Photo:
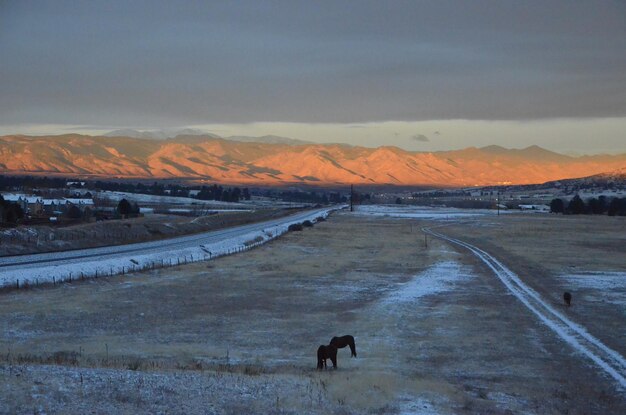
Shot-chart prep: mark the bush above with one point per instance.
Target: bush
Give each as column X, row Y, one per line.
column 307, row 224
column 295, row 227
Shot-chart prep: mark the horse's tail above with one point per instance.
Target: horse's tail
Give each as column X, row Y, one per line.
column 352, row 348
column 321, row 356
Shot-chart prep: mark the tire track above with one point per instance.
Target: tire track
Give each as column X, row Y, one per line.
column 610, row 361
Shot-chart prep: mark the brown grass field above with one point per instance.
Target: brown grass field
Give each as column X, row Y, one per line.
column 435, row 331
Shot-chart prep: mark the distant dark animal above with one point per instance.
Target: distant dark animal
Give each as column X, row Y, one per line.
column 568, row 298
column 343, row 341
column 326, row 352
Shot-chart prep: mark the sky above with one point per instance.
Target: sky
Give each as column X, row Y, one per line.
column 421, row 75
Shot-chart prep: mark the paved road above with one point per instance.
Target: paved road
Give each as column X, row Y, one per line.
column 8, row 263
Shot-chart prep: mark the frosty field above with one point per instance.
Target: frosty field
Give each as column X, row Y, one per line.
column 436, row 331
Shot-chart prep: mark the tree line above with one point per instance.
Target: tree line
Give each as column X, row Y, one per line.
column 593, row 206
column 10, row 212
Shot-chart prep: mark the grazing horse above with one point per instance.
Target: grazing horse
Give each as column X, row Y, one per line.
column 326, row 352
column 343, row 341
column 568, row 298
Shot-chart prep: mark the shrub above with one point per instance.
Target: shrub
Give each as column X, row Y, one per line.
column 307, row 224
column 295, row 227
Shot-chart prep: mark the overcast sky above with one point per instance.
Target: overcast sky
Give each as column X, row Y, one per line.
column 352, row 71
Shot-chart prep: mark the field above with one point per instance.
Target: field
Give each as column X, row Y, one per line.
column 436, row 331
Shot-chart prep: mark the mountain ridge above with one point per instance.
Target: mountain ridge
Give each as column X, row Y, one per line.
column 202, row 157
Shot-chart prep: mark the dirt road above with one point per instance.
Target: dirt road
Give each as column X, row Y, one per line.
column 436, row 332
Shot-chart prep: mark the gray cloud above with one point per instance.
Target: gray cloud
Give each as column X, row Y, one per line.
column 158, row 64
column 420, row 137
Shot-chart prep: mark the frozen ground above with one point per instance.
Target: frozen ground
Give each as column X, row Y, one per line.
column 436, row 330
column 598, row 286
column 163, row 200
column 421, row 212
column 437, row 279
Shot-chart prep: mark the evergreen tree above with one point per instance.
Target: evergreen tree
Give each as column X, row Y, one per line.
column 576, row 206
column 124, row 207
column 557, row 206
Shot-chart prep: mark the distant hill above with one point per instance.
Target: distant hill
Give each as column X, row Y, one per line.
column 615, row 177
column 156, row 134
column 269, row 139
column 276, row 160
column 187, row 132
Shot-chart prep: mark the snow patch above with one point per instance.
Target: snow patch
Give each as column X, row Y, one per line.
column 439, row 278
column 600, row 286
column 420, row 212
column 158, row 199
column 418, row 406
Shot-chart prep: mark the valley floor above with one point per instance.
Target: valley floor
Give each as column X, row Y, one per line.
column 436, row 331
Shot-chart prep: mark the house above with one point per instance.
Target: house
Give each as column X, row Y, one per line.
column 30, row 204
column 81, row 203
column 537, row 208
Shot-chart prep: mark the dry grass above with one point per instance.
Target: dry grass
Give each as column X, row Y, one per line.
column 262, row 314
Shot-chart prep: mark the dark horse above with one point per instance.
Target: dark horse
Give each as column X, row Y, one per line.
column 326, row 352
column 343, row 341
column 568, row 298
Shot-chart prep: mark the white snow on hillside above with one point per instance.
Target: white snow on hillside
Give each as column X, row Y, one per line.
column 156, row 199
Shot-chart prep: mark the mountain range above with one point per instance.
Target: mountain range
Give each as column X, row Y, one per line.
column 166, row 134
column 259, row 161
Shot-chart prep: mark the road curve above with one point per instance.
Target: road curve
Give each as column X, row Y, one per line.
column 607, row 359
column 9, row 263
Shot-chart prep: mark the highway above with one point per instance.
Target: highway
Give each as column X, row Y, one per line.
column 11, row 264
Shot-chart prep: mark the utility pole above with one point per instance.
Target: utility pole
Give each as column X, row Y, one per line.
column 351, row 198
column 498, row 201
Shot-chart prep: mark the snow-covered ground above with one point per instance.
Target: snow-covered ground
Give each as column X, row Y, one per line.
column 577, row 336
column 87, row 263
column 166, row 200
column 607, row 193
column 421, row 212
column 599, row 286
column 439, row 278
